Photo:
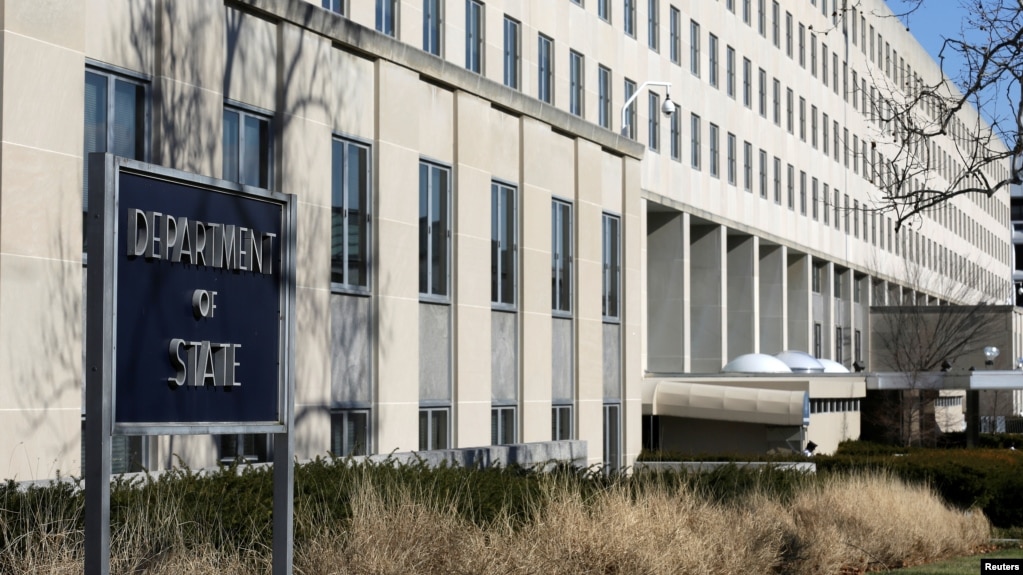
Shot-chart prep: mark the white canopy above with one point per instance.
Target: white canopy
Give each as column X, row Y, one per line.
column 728, row 403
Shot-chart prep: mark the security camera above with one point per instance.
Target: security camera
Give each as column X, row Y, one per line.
column 668, row 107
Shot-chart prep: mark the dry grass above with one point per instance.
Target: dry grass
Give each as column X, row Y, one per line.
column 839, row 525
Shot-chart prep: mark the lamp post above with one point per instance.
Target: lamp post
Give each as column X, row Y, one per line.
column 667, row 108
column 991, row 353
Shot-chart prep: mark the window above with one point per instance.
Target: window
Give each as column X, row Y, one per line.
column 762, row 92
column 512, row 51
column 116, row 120
column 814, row 198
column 629, row 17
column 731, row 158
column 387, row 17
column 654, row 121
column 763, row 174
column 350, row 218
column 244, row 447
column 788, row 34
column 349, row 432
column 246, row 147
column 762, row 17
column 729, row 72
column 776, row 92
column 777, row 180
column 433, row 428
column 502, row 425
column 836, row 208
column 434, row 229
column 815, row 279
column 789, row 105
column 432, row 26
column 694, row 47
column 694, row 141
column 612, row 437
column 610, row 297
column 802, row 118
column 675, row 35
column 747, row 166
column 474, row 36
column 544, row 63
column 747, row 83
column 575, row 82
column 816, row 339
column 824, row 64
column 503, row 244
column 813, row 126
column 712, row 59
column 604, row 97
column 813, row 54
column 337, row 6
column 775, row 24
column 604, row 10
column 802, row 45
column 714, row 155
column 824, row 206
column 561, row 256
column 653, row 25
column 838, row 344
column 802, row 192
column 791, row 186
column 676, row 135
column 824, row 134
column 746, row 10
column 561, row 422
column 630, row 112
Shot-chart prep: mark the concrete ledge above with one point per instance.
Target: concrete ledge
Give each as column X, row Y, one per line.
column 544, row 454
column 705, row 466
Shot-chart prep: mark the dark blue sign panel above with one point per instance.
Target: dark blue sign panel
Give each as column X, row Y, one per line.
column 199, row 304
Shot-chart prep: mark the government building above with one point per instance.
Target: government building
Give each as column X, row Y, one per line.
column 619, row 223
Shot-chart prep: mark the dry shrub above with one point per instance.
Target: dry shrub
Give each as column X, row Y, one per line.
column 874, row 520
column 660, row 530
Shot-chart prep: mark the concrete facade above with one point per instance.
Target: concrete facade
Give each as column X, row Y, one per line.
column 719, row 251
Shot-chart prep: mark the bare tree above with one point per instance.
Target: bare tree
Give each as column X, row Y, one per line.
column 917, row 336
column 926, row 145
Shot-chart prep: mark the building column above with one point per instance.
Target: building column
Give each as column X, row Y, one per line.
column 743, row 267
column 668, row 292
column 772, row 300
column 709, row 283
column 799, row 317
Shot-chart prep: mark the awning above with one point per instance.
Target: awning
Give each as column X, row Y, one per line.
column 727, row 403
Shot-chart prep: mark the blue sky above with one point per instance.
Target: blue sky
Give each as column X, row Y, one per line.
column 936, row 20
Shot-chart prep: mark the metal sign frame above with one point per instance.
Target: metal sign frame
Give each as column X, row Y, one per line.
column 106, row 242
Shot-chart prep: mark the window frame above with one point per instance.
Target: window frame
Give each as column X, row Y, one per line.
column 433, row 27
column 559, row 413
column 562, row 258
column 499, row 192
column 498, row 433
column 512, row 53
column 429, row 443
column 339, row 418
column 545, row 68
column 475, row 28
column 611, row 267
column 576, row 78
column 427, row 256
column 245, row 111
column 387, row 13
column 345, row 286
column 604, row 94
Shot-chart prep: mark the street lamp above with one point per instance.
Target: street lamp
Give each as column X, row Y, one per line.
column 990, row 354
column 667, row 108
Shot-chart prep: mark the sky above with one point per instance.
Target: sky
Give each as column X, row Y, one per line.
column 934, row 21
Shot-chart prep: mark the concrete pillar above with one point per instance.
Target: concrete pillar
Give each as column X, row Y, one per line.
column 667, row 291
column 709, row 284
column 772, row 300
column 743, row 302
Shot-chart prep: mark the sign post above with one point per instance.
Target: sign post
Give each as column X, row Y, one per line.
column 189, row 323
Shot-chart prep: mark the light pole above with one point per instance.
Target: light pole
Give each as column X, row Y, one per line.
column 667, row 108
